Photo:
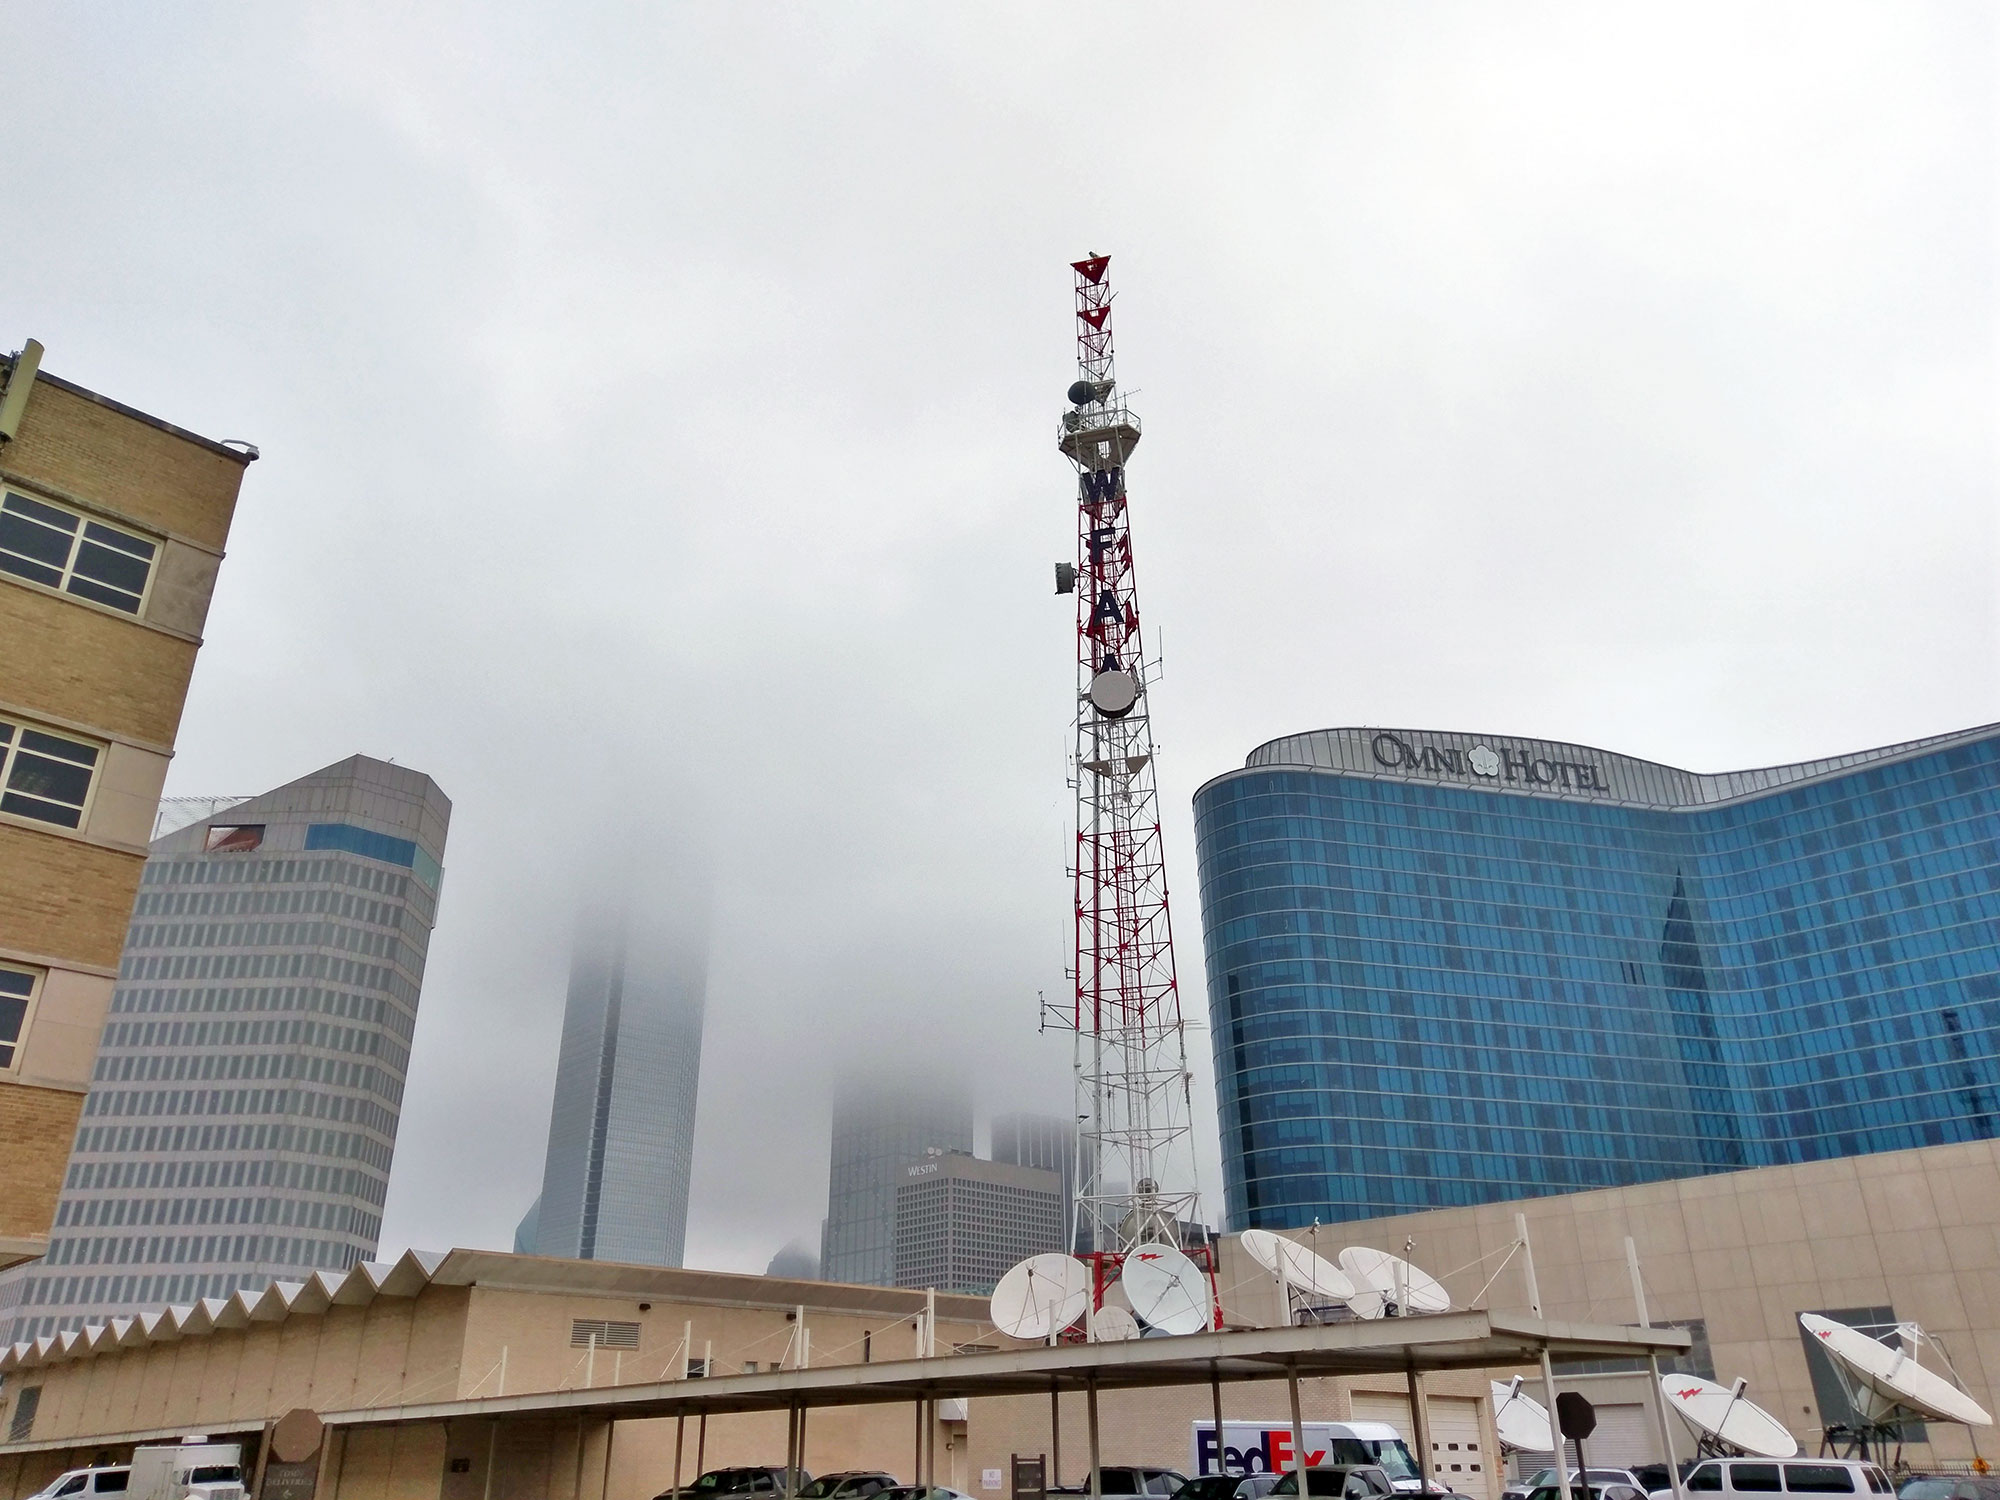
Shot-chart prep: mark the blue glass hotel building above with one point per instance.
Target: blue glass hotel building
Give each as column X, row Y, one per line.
column 1448, row 969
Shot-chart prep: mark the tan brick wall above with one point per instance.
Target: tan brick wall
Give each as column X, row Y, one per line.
column 71, row 662
column 36, row 1127
column 73, row 444
column 64, row 898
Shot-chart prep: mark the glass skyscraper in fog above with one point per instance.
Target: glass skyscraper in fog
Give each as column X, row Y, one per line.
column 1450, row 969
column 621, row 1130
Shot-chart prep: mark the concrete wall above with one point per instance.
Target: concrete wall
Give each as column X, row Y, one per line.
column 1749, row 1251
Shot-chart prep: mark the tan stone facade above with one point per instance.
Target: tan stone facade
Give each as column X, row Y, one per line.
column 112, row 679
column 1747, row 1252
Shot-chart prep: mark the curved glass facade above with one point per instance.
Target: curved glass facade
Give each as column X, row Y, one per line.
column 1446, row 970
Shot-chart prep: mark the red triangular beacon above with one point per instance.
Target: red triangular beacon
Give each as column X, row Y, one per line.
column 1094, row 316
column 1091, row 270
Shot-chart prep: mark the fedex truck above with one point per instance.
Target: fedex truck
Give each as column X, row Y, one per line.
column 1266, row 1448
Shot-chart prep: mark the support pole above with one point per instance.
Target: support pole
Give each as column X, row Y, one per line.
column 1298, row 1428
column 1548, row 1370
column 1215, row 1398
column 1653, row 1365
column 492, row 1447
column 1420, row 1426
column 1055, row 1435
column 701, row 1445
column 798, row 1467
column 610, row 1436
column 791, row 1450
column 917, row 1463
column 680, row 1436
column 1096, row 1478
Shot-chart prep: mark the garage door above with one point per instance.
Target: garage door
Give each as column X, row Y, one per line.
column 1625, row 1436
column 1458, row 1451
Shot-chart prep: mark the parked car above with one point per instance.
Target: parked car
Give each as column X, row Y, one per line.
column 1761, row 1477
column 922, row 1492
column 1588, row 1490
column 1227, row 1487
column 109, row 1480
column 1950, row 1487
column 717, row 1483
column 1546, row 1478
column 851, row 1484
column 1338, row 1482
column 1127, row 1479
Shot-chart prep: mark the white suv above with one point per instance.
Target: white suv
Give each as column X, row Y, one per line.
column 83, row 1483
column 1757, row 1478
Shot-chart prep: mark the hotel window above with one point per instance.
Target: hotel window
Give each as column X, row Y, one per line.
column 63, row 550
column 45, row 776
column 17, row 994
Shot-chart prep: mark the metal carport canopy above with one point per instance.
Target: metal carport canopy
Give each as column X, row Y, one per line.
column 1469, row 1340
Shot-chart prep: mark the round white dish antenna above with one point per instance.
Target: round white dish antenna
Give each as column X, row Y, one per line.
column 1167, row 1289
column 1041, row 1296
column 1891, row 1382
column 1521, row 1421
column 1727, row 1416
column 1113, row 1325
column 1113, row 693
column 1389, row 1285
column 1296, row 1266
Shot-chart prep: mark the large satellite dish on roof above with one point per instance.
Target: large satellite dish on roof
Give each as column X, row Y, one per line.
column 1888, row 1385
column 1389, row 1286
column 1167, row 1289
column 1521, row 1421
column 1041, row 1297
column 1725, row 1423
column 1297, row 1269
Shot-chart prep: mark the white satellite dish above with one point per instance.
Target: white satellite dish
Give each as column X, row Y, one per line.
column 1390, row 1285
column 1296, row 1266
column 1041, row 1296
column 1167, row 1289
column 1722, row 1415
column 1521, row 1421
column 1113, row 1325
column 1891, row 1383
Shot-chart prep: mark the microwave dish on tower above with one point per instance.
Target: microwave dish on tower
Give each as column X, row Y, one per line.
column 1726, row 1424
column 1135, row 1171
column 1040, row 1297
column 1888, row 1385
column 1167, row 1289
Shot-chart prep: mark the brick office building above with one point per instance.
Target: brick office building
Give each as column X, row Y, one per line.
column 112, row 525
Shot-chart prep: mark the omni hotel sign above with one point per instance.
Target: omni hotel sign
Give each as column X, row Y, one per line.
column 1521, row 767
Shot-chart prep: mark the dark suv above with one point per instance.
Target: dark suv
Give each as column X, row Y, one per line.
column 717, row 1483
column 853, row 1484
column 1127, row 1479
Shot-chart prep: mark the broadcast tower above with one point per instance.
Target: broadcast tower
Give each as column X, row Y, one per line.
column 1135, row 1179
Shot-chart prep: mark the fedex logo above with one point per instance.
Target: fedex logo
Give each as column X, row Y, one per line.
column 1265, row 1450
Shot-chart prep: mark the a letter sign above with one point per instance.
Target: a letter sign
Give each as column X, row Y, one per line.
column 1484, row 763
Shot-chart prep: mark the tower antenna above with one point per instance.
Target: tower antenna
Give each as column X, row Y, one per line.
column 1135, row 1181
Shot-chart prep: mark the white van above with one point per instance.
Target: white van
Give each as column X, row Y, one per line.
column 81, row 1484
column 1758, row 1478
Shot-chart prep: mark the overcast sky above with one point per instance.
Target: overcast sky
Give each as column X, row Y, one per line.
column 658, row 404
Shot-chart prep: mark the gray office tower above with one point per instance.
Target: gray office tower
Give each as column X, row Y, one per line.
column 250, row 1077
column 621, row 1131
column 1046, row 1142
column 879, row 1128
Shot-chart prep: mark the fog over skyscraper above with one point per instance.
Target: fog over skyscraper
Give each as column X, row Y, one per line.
column 621, row 1131
column 880, row 1126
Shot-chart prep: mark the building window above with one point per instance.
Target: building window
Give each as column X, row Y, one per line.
column 49, row 545
column 17, row 993
column 45, row 776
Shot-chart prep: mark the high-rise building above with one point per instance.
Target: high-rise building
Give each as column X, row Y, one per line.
column 879, row 1128
column 961, row 1222
column 621, row 1130
column 112, row 525
column 1047, row 1142
column 1449, row 969
column 243, row 1115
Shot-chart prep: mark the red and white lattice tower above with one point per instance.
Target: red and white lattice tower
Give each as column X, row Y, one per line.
column 1136, row 1172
